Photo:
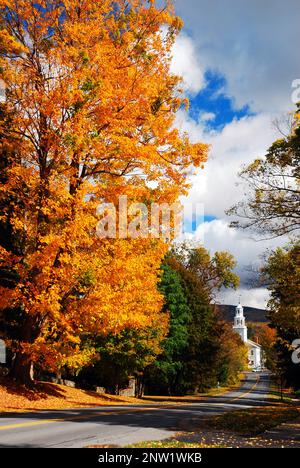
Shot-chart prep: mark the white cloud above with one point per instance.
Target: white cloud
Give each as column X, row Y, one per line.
column 186, row 63
column 254, row 46
column 207, row 116
column 239, row 143
column 255, row 297
column 218, row 236
column 253, row 43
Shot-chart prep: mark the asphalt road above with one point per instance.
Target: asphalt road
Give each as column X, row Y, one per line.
column 122, row 425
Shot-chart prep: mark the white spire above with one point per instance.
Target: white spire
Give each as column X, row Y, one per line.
column 240, row 323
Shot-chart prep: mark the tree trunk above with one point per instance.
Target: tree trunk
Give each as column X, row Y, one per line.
column 22, row 369
column 22, row 365
column 58, row 377
column 139, row 386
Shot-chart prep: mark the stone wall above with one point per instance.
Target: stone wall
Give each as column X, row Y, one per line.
column 130, row 390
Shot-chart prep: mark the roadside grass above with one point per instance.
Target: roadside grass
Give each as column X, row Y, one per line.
column 216, row 391
column 220, row 390
column 286, row 395
column 276, row 395
column 254, row 421
column 171, row 443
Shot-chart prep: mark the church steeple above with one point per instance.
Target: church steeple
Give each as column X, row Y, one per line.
column 240, row 323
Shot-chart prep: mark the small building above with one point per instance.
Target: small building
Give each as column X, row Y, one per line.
column 254, row 349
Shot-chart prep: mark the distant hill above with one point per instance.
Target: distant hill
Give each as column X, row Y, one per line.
column 252, row 315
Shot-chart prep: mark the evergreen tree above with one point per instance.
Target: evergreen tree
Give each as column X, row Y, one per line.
column 165, row 374
column 199, row 350
column 200, row 355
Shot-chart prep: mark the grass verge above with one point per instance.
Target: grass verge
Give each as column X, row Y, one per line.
column 170, row 443
column 196, row 397
column 254, row 421
column 286, row 395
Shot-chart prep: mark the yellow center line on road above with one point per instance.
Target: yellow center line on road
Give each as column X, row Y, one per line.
column 81, row 417
column 28, row 424
column 247, row 393
column 106, row 413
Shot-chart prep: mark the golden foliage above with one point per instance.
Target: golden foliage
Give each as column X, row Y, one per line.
column 93, row 105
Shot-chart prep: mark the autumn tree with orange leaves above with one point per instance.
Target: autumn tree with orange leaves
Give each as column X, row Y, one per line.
column 89, row 116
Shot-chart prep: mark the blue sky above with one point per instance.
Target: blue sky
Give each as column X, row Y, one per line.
column 213, row 99
column 238, row 64
column 216, row 109
column 191, row 225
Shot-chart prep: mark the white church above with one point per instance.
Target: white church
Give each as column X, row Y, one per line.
column 254, row 349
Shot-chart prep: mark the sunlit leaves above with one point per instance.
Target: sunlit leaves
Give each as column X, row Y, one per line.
column 93, row 106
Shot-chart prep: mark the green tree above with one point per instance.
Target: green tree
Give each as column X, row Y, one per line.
column 201, row 275
column 165, row 373
column 200, row 357
column 282, row 274
column 123, row 356
column 214, row 272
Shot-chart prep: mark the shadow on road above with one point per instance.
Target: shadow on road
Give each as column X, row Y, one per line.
column 51, row 427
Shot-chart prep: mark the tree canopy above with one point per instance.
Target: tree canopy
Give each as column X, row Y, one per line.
column 282, row 274
column 200, row 349
column 91, row 104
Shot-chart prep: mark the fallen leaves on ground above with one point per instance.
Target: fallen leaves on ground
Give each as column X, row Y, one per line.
column 171, row 443
column 102, row 446
column 254, row 421
column 227, row 439
column 285, row 435
column 45, row 396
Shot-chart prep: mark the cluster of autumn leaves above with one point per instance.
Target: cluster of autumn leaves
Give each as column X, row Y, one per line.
column 89, row 116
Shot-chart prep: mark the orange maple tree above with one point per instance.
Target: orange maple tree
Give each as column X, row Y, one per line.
column 91, row 104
